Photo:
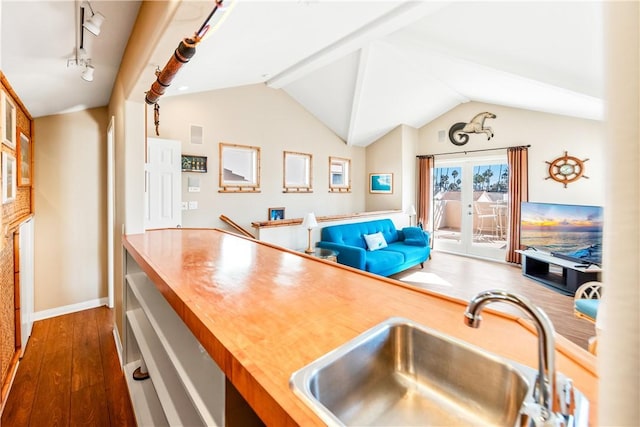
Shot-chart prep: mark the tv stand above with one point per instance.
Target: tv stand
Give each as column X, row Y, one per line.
column 562, row 275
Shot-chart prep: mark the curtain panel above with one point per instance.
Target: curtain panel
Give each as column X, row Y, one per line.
column 425, row 190
column 518, row 162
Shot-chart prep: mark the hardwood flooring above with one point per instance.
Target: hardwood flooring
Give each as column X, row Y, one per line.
column 464, row 277
column 70, row 375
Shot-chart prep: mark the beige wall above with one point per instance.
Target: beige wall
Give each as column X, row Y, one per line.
column 259, row 116
column 385, row 156
column 127, row 109
column 549, row 136
column 70, row 233
column 394, row 153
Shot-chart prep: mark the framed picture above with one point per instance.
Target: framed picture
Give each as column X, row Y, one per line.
column 8, row 121
column 296, row 172
column 194, row 163
column 381, row 183
column 239, row 168
column 24, row 160
column 339, row 174
column 8, row 177
column 276, row 214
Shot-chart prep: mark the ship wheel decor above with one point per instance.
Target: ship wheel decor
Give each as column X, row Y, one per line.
column 566, row 169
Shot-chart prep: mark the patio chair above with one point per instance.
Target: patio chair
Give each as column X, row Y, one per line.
column 486, row 219
column 585, row 306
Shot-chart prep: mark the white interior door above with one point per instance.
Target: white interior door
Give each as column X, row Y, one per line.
column 26, row 282
column 163, row 184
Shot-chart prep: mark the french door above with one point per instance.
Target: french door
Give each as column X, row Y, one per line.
column 470, row 206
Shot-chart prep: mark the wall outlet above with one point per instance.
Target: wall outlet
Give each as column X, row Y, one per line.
column 185, row 206
column 193, row 205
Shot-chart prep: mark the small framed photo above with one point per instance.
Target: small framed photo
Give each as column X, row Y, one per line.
column 24, row 161
column 8, row 177
column 381, row 183
column 276, row 214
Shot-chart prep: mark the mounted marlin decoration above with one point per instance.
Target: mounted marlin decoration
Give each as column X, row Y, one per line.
column 459, row 132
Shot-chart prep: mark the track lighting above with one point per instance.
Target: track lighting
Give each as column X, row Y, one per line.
column 94, row 23
column 87, row 74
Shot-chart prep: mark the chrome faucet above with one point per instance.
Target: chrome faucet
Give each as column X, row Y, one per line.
column 543, row 392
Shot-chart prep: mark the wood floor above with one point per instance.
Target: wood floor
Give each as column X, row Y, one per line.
column 463, row 278
column 70, row 375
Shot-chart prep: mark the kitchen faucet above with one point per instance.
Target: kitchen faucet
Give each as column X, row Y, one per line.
column 544, row 388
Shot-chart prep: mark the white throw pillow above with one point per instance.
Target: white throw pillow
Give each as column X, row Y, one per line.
column 375, row 241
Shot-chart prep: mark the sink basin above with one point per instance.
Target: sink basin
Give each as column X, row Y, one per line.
column 401, row 373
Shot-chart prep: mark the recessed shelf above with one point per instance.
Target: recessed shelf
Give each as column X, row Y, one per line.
column 188, row 384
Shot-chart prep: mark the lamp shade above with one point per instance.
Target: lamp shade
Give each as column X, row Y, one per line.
column 411, row 210
column 94, row 23
column 87, row 74
column 309, row 221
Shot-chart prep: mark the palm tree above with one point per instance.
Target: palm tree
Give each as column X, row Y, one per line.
column 454, row 174
column 487, row 177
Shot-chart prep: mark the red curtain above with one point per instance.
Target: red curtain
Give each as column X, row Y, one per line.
column 518, row 161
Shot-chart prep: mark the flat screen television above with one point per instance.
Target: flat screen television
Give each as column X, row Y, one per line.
column 572, row 232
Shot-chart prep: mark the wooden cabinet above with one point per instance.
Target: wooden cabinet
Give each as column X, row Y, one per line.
column 185, row 387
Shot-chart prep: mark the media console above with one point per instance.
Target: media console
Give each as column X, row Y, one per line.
column 562, row 275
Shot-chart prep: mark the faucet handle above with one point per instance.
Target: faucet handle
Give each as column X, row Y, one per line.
column 566, row 396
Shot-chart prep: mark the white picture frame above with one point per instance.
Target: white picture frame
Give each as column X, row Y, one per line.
column 9, row 177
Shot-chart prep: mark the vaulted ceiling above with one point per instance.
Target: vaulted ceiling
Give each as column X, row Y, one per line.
column 361, row 67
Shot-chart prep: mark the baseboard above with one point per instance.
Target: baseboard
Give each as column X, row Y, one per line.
column 67, row 309
column 116, row 338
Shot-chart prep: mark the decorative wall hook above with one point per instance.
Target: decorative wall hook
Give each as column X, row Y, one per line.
column 459, row 132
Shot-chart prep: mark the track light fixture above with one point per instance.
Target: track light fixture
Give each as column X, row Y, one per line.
column 81, row 58
column 94, row 23
column 87, row 74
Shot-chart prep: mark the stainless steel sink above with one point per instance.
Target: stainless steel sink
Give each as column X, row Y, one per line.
column 401, row 373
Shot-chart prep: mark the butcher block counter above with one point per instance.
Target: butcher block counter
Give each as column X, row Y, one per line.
column 262, row 312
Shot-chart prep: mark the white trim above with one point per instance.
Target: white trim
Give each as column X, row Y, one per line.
column 118, row 341
column 67, row 309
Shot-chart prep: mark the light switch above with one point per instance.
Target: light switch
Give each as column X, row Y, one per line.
column 193, row 205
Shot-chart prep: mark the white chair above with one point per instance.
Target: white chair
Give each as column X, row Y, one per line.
column 586, row 302
column 486, row 219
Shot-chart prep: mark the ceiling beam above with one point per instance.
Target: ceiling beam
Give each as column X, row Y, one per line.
column 401, row 16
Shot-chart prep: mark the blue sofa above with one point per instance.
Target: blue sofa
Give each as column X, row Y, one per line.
column 404, row 248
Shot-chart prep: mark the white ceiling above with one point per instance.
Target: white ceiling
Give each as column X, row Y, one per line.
column 361, row 67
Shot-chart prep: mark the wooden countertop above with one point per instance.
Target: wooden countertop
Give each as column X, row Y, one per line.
column 263, row 312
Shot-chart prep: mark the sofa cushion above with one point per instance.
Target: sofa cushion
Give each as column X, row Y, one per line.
column 375, row 241
column 352, row 234
column 378, row 262
column 410, row 254
column 414, row 236
column 588, row 307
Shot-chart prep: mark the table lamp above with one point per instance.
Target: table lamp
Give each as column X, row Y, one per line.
column 309, row 222
column 411, row 211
